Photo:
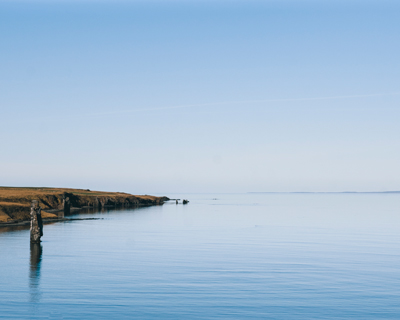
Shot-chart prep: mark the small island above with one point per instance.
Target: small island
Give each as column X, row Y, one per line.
column 15, row 202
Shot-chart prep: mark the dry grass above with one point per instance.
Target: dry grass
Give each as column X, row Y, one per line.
column 24, row 192
column 27, row 192
column 4, row 217
column 3, row 203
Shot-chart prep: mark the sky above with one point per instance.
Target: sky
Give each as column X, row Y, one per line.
column 200, row 96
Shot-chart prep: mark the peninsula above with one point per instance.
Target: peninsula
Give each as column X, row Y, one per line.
column 15, row 202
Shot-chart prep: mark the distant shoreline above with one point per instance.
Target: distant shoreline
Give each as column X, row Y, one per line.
column 15, row 202
column 329, row 192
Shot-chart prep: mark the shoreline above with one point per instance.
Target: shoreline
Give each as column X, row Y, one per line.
column 56, row 203
column 45, row 221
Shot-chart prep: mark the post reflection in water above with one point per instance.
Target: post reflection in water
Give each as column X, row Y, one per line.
column 34, row 271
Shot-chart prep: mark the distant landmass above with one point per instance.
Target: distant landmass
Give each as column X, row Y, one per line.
column 15, row 202
column 328, row 192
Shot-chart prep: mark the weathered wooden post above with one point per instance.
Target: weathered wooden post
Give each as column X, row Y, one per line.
column 36, row 222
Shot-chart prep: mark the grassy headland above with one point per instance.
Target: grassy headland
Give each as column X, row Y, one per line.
column 15, row 202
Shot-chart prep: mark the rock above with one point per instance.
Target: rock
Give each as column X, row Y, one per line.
column 36, row 222
column 66, row 205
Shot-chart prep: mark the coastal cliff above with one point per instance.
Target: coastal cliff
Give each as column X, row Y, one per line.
column 15, row 202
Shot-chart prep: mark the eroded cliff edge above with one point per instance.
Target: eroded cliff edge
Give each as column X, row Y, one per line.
column 15, row 202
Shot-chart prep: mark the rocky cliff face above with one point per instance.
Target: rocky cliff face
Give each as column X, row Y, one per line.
column 15, row 202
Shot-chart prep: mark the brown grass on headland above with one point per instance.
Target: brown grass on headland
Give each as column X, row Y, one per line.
column 15, row 202
column 28, row 191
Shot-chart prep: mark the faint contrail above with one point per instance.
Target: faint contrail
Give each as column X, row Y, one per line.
column 242, row 102
column 49, row 118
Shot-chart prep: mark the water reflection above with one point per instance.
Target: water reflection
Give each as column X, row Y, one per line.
column 75, row 212
column 14, row 228
column 34, row 271
column 106, row 209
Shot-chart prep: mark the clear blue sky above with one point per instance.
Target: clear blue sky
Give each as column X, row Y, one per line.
column 200, row 96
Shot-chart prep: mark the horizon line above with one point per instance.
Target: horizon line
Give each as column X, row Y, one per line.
column 395, row 191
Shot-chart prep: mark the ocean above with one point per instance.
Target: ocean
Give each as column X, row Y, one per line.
column 222, row 256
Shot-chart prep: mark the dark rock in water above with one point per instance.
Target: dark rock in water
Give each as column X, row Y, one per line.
column 36, row 222
column 66, row 205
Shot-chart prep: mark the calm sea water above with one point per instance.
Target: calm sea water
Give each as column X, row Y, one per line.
column 231, row 256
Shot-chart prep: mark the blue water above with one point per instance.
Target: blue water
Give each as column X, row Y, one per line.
column 231, row 256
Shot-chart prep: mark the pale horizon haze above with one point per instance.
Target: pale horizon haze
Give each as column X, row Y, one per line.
column 200, row 96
